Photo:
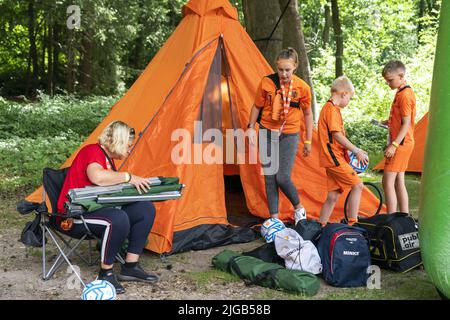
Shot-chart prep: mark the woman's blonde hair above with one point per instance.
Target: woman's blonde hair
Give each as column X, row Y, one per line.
column 116, row 137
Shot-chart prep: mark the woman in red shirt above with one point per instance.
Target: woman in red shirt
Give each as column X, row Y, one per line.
column 92, row 166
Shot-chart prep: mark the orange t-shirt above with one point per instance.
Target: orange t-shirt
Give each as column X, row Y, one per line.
column 331, row 152
column 404, row 105
column 301, row 96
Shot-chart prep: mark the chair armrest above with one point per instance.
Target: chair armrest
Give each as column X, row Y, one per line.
column 25, row 207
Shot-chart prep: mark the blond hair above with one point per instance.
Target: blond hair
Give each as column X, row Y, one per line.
column 288, row 53
column 116, row 137
column 342, row 84
column 393, row 66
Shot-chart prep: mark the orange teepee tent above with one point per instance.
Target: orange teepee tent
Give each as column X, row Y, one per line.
column 420, row 135
column 208, row 70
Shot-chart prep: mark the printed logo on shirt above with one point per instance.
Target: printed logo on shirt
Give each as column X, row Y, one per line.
column 294, row 94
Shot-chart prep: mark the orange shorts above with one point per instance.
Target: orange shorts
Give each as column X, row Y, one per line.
column 341, row 178
column 399, row 162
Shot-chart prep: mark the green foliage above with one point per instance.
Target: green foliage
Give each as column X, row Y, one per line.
column 44, row 134
column 116, row 41
column 24, row 158
column 374, row 33
column 53, row 116
column 366, row 136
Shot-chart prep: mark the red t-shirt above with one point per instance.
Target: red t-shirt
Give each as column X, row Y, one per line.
column 77, row 175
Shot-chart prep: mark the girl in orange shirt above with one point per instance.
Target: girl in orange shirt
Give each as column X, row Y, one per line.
column 281, row 101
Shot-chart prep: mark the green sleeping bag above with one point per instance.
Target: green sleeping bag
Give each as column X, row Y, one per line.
column 271, row 275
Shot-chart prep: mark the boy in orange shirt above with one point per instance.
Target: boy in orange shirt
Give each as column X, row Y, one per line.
column 401, row 137
column 333, row 145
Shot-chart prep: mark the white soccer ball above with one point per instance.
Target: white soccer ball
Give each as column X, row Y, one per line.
column 99, row 290
column 270, row 227
column 355, row 164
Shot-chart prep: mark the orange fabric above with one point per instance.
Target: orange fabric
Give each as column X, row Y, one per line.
column 331, row 151
column 399, row 162
column 341, row 178
column 404, row 105
column 415, row 163
column 265, row 96
column 167, row 97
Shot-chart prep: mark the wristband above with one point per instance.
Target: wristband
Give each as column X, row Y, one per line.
column 251, row 126
column 308, row 142
column 127, row 177
column 395, row 144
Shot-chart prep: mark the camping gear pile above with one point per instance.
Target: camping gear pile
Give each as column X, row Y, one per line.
column 87, row 199
column 339, row 252
column 342, row 254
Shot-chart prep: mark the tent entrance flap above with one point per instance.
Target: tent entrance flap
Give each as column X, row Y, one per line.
column 216, row 108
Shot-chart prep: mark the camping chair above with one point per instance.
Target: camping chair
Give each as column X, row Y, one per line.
column 52, row 182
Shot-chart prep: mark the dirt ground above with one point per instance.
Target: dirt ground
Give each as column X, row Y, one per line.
column 183, row 276
column 21, row 271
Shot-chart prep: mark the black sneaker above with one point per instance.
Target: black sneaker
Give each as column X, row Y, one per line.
column 111, row 278
column 136, row 273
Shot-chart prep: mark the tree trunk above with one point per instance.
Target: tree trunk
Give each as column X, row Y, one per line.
column 86, row 76
column 327, row 26
column 50, row 60
column 56, row 50
column 33, row 50
column 260, row 18
column 293, row 37
column 70, row 75
column 44, row 41
column 86, row 65
column 422, row 9
column 338, row 38
column 137, row 59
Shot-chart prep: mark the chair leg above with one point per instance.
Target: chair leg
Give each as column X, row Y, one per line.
column 59, row 259
column 120, row 259
column 54, row 268
column 91, row 249
column 44, row 230
column 67, row 243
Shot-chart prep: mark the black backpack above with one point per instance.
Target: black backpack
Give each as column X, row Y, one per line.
column 394, row 241
column 266, row 253
column 345, row 255
column 309, row 230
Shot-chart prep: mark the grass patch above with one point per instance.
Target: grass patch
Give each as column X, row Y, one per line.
column 273, row 294
column 203, row 278
column 9, row 217
column 414, row 285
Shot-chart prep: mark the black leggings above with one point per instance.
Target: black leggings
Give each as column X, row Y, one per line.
column 133, row 221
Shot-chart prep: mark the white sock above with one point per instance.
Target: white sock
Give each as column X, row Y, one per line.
column 299, row 214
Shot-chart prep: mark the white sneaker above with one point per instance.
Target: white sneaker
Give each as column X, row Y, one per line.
column 299, row 214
